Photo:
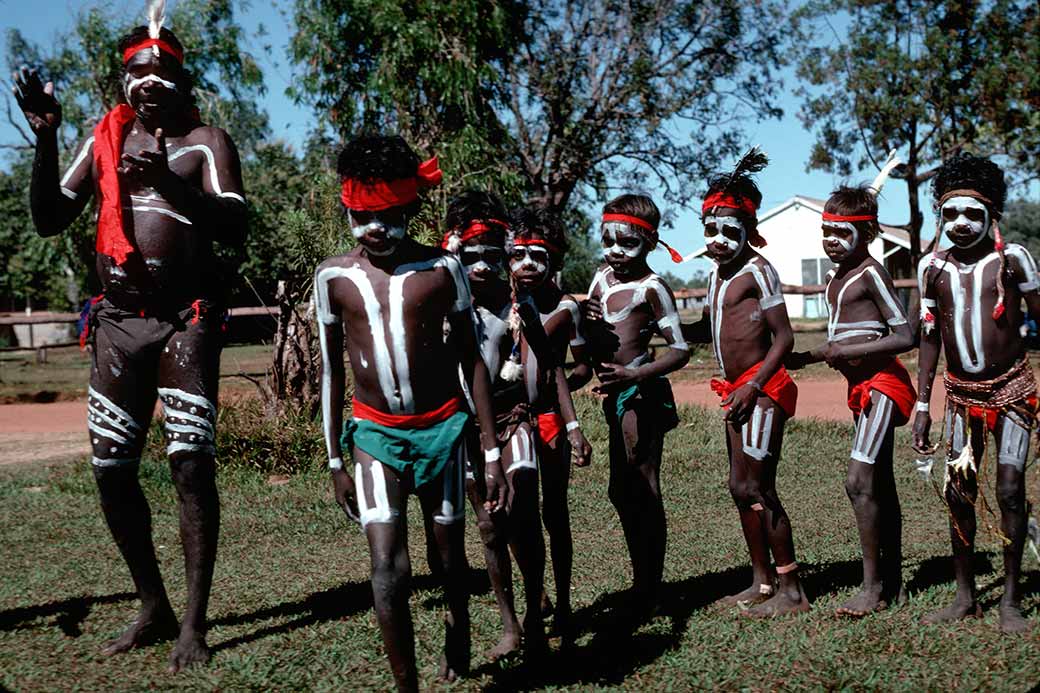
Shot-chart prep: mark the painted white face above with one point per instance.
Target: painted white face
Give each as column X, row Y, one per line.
column 482, row 261
column 621, row 241
column 965, row 221
column 840, row 238
column 529, row 264
column 379, row 232
column 131, row 84
column 725, row 237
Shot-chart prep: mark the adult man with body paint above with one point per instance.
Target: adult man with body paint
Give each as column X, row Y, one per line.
column 167, row 188
column 628, row 305
column 387, row 301
column 539, row 244
column 971, row 296
column 745, row 319
column 511, row 338
column 865, row 331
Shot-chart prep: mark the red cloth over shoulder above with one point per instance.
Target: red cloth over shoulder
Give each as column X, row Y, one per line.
column 780, row 388
column 108, row 150
column 894, row 382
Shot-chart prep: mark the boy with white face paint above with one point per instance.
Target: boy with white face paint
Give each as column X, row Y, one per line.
column 167, row 188
column 971, row 296
column 628, row 305
column 386, row 302
column 866, row 329
column 538, row 247
column 745, row 318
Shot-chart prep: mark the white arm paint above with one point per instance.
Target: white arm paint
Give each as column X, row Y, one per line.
column 210, row 169
column 668, row 324
column 77, row 164
column 1026, row 265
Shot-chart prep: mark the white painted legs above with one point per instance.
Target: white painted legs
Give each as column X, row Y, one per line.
column 871, row 429
column 757, row 432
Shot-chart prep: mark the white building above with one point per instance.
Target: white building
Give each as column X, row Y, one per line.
column 794, row 247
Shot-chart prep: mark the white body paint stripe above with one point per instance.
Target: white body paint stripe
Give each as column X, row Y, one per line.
column 190, row 430
column 1014, row 441
column 380, row 512
column 197, row 400
column 68, row 193
column 113, row 461
column 111, row 435
column 453, row 506
column 973, row 312
column 837, row 330
column 111, row 406
column 161, row 210
column 80, row 156
column 871, row 430
column 757, row 432
column 768, row 284
column 178, row 446
column 211, row 165
column 94, row 413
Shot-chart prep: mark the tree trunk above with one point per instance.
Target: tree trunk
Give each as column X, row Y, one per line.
column 294, row 373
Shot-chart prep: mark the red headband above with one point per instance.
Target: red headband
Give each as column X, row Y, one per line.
column 148, row 43
column 380, row 195
column 626, row 219
column 828, row 216
column 724, row 199
column 475, row 228
column 539, row 241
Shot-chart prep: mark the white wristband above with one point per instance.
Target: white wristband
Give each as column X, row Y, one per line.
column 573, row 426
column 921, row 406
column 336, row 463
column 493, row 455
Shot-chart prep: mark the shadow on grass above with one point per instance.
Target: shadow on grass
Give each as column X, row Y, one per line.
column 69, row 613
column 337, row 603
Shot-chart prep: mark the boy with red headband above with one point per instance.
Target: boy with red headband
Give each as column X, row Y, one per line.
column 628, row 305
column 971, row 301
column 865, row 331
column 511, row 335
column 539, row 244
column 745, row 318
column 386, row 301
column 167, row 187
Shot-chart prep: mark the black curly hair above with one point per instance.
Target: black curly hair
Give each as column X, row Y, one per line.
column 473, row 204
column 968, row 172
column 852, row 201
column 529, row 222
column 186, row 82
column 635, row 205
column 377, row 158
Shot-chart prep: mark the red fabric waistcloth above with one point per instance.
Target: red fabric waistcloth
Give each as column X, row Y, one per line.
column 990, row 415
column 780, row 388
column 894, row 382
column 424, row 420
column 550, row 424
column 108, row 149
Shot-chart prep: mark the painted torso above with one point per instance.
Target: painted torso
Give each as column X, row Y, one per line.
column 737, row 299
column 631, row 319
column 561, row 324
column 176, row 263
column 496, row 345
column 393, row 325
column 862, row 309
column 976, row 346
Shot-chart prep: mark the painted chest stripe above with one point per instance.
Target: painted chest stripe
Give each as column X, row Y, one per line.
column 974, row 313
column 717, row 299
column 211, row 165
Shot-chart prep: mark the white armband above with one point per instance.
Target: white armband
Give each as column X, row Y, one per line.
column 573, row 426
column 493, row 455
column 336, row 463
column 922, row 406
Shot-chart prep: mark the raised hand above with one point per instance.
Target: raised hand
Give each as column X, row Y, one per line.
column 41, row 109
column 149, row 168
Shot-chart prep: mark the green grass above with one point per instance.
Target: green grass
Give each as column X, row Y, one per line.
column 291, row 607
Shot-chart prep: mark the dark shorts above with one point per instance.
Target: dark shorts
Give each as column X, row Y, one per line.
column 174, row 355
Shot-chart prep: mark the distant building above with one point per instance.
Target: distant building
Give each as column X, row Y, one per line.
column 794, row 247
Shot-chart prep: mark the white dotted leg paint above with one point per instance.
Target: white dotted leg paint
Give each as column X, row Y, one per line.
column 871, row 430
column 453, row 507
column 377, row 510
column 757, row 432
column 116, row 439
column 190, row 422
column 1014, row 441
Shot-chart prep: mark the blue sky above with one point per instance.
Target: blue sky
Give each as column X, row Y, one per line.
column 786, row 140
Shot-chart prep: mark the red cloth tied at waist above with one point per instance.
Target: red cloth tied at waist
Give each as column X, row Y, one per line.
column 894, row 382
column 108, row 150
column 424, row 420
column 780, row 388
column 550, row 425
column 379, row 195
column 989, row 415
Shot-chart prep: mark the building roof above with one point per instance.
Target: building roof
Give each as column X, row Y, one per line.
column 893, row 234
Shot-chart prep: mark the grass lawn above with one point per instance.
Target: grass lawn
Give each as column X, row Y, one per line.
column 291, row 607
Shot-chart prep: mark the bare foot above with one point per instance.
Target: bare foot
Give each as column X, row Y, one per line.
column 190, row 650
column 867, row 601
column 563, row 626
column 781, row 604
column 546, row 606
column 1012, row 620
column 960, row 609
column 455, row 660
column 508, row 645
column 749, row 597
column 147, row 629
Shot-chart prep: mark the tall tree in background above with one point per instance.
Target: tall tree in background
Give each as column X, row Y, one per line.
column 86, row 69
column 549, row 101
column 929, row 77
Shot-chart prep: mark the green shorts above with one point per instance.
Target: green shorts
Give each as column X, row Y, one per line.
column 650, row 398
column 424, row 451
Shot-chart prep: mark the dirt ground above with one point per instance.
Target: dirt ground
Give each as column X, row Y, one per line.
column 55, row 431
